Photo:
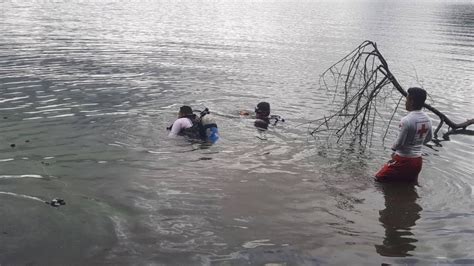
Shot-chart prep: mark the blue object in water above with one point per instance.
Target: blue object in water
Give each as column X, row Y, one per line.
column 214, row 135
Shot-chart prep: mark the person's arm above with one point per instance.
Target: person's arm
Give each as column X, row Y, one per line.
column 402, row 135
column 176, row 128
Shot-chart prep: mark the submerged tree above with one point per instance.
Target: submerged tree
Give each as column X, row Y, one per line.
column 360, row 84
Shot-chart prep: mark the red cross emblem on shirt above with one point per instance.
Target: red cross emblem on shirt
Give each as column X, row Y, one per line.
column 422, row 130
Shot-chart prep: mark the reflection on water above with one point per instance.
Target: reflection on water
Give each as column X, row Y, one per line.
column 398, row 218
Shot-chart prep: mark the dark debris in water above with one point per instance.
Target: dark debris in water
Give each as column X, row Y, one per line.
column 13, row 145
column 56, row 202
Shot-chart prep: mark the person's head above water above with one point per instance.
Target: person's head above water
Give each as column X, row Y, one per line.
column 262, row 109
column 185, row 111
column 415, row 99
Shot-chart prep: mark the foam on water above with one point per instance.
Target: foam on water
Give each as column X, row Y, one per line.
column 21, row 196
column 20, row 176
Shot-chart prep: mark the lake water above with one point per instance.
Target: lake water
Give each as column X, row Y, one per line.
column 87, row 89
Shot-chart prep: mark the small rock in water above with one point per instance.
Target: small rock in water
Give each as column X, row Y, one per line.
column 13, row 145
column 27, row 140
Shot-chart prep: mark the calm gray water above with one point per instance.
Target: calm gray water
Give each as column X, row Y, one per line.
column 87, row 89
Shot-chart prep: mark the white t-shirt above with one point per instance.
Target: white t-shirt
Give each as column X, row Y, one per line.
column 415, row 130
column 180, row 124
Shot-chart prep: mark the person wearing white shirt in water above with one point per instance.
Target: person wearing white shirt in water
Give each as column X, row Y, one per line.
column 415, row 130
column 188, row 124
column 184, row 121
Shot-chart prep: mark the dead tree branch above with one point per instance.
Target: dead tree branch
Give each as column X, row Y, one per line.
column 360, row 83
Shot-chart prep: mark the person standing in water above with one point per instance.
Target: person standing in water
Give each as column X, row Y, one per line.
column 415, row 130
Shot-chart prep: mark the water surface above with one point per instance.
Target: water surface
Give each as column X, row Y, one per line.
column 88, row 88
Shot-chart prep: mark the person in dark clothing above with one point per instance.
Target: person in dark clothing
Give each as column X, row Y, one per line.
column 262, row 115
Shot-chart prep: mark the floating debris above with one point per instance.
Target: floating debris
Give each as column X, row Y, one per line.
column 56, row 202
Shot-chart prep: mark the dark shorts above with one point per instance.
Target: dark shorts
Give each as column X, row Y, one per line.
column 400, row 169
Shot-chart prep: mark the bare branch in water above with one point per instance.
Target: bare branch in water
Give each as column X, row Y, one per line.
column 360, row 83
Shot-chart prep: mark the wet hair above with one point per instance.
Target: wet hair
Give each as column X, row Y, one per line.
column 185, row 110
column 263, row 109
column 418, row 95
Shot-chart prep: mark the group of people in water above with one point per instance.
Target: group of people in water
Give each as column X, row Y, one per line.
column 203, row 127
column 415, row 130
